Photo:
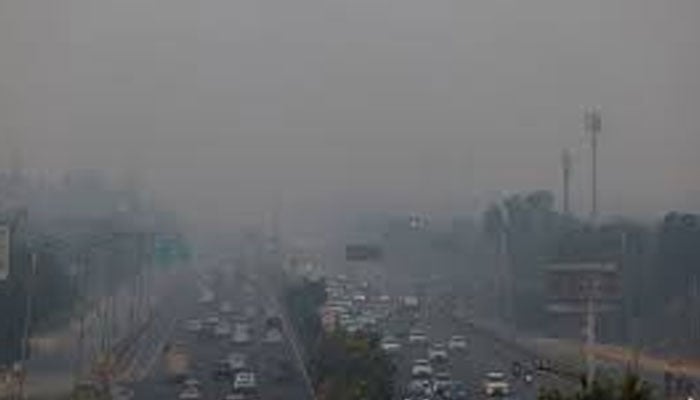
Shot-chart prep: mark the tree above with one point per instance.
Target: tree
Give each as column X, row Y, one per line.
column 352, row 367
column 676, row 278
column 630, row 387
column 525, row 228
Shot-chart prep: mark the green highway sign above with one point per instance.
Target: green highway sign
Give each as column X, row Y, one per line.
column 169, row 250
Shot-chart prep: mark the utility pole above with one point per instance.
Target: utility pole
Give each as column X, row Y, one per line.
column 504, row 264
column 566, row 177
column 593, row 125
column 81, row 283
column 27, row 324
column 590, row 341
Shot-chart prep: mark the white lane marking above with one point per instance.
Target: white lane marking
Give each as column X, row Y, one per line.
column 292, row 339
column 159, row 349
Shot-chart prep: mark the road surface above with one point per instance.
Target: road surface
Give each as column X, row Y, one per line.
column 149, row 378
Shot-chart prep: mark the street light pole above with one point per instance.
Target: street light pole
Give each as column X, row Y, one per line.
column 566, row 178
column 27, row 323
column 593, row 125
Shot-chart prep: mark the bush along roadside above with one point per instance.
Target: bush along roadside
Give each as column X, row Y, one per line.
column 343, row 366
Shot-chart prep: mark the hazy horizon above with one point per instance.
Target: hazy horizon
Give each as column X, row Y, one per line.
column 230, row 109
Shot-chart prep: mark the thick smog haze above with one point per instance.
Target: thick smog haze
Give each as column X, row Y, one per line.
column 230, row 108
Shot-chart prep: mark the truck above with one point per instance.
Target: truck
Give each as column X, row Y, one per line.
column 177, row 362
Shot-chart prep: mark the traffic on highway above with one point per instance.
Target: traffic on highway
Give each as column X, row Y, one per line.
column 226, row 344
column 437, row 355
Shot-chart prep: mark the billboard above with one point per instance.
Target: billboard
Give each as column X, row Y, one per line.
column 571, row 286
column 363, row 252
column 4, row 252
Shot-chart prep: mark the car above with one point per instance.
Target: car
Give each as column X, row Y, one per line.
column 417, row 336
column 225, row 307
column 192, row 383
column 441, row 382
column 390, row 344
column 421, row 369
column 495, row 384
column 190, row 393
column 222, row 369
column 236, row 396
column 237, row 361
column 239, row 318
column 206, row 298
column 273, row 321
column 367, row 320
column 273, row 335
column 410, row 302
column 359, row 298
column 245, row 381
column 437, row 353
column 212, row 320
column 458, row 390
column 193, row 325
column 240, row 337
column 222, row 329
column 457, row 342
column 420, row 387
column 241, row 334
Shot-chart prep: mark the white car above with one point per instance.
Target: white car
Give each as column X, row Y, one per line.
column 193, row 325
column 190, row 393
column 495, row 384
column 241, row 334
column 417, row 336
column 367, row 322
column 437, row 353
column 457, row 342
column 420, row 387
column 421, row 369
column 390, row 345
column 245, row 381
column 222, row 329
column 190, row 383
column 410, row 302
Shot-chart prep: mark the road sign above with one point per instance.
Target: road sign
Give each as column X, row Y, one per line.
column 170, row 250
column 572, row 286
column 4, row 252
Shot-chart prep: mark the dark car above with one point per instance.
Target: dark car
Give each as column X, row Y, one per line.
column 457, row 391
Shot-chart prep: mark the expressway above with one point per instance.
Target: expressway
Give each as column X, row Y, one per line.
column 274, row 365
column 437, row 316
column 483, row 354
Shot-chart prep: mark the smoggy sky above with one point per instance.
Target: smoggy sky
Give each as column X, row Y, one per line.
column 232, row 107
